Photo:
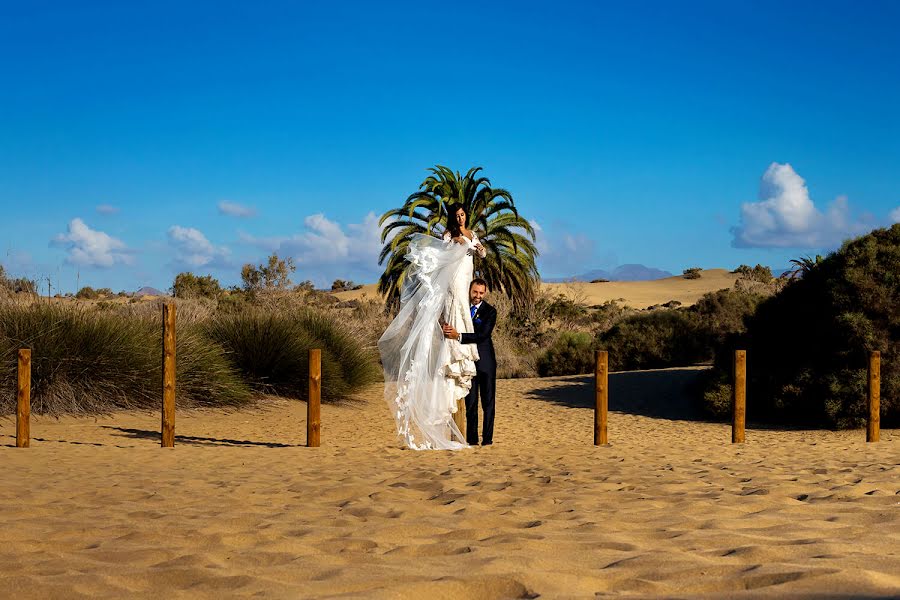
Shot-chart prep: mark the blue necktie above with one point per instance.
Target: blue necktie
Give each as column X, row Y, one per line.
column 473, row 310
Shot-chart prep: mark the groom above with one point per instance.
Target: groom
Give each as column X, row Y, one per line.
column 484, row 317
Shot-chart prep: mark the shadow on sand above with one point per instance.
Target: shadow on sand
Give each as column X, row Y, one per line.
column 146, row 434
column 12, row 444
column 660, row 393
column 193, row 439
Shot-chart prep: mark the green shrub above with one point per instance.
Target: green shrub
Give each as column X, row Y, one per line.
column 271, row 350
column 605, row 315
column 563, row 311
column 758, row 273
column 722, row 314
column 188, row 285
column 652, row 340
column 87, row 293
column 807, row 346
column 692, row 273
column 89, row 361
column 17, row 285
column 571, row 353
column 716, row 392
column 341, row 285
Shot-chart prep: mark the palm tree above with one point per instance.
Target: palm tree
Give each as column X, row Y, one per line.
column 507, row 237
column 802, row 266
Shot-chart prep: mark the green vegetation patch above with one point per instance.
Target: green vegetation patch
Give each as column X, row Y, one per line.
column 808, row 346
column 94, row 361
column 271, row 350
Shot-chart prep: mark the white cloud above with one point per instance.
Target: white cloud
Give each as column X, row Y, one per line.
column 327, row 250
column 107, row 209
column 91, row 248
column 786, row 217
column 192, row 249
column 894, row 215
column 233, row 209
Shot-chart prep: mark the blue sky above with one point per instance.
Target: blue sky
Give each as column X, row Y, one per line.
column 140, row 140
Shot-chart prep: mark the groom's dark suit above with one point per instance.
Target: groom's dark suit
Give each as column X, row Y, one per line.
column 485, row 381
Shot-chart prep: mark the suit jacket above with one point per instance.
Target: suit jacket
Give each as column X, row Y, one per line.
column 483, row 323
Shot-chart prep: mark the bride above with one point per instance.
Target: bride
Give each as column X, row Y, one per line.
column 425, row 374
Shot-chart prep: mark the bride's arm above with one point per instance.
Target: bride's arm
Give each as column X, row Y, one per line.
column 479, row 246
column 458, row 240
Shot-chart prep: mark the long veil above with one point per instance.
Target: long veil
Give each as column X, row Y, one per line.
column 413, row 348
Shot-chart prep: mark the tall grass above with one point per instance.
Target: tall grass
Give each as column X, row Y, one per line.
column 271, row 350
column 93, row 361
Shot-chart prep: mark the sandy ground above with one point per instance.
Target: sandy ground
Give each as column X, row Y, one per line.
column 240, row 508
column 636, row 294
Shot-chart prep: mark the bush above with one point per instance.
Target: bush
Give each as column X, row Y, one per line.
column 235, row 301
column 89, row 361
column 723, row 314
column 271, row 349
column 87, row 293
column 758, row 273
column 18, row 285
column 692, row 273
column 674, row 337
column 570, row 354
column 274, row 275
column 653, row 340
column 807, row 346
column 341, row 285
column 565, row 312
column 716, row 392
column 188, row 285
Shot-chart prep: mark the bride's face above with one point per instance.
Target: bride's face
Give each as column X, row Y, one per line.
column 461, row 217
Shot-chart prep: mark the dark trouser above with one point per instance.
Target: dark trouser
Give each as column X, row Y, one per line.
column 484, row 384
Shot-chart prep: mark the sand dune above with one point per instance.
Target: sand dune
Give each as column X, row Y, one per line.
column 636, row 294
column 95, row 509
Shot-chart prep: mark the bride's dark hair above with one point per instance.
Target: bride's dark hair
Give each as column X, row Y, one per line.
column 452, row 225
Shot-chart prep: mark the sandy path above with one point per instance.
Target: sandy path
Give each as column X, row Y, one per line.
column 95, row 509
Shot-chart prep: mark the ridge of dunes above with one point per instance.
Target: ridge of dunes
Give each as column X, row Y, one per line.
column 636, row 294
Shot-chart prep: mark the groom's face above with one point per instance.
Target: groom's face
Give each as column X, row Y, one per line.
column 476, row 293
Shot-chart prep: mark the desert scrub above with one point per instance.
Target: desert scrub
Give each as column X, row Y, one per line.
column 571, row 353
column 87, row 361
column 808, row 345
column 271, row 350
column 654, row 340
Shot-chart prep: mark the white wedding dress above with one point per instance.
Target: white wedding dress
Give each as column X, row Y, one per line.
column 425, row 374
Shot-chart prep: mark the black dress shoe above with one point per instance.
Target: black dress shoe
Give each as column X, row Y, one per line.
column 486, row 443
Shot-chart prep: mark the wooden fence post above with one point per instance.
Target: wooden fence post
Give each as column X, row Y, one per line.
column 601, row 397
column 739, row 397
column 313, row 403
column 459, row 417
column 23, row 400
column 168, row 377
column 873, row 426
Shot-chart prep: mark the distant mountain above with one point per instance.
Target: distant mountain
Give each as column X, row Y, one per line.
column 632, row 272
column 148, row 291
column 637, row 273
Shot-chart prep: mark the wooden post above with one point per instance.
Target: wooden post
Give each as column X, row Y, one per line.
column 459, row 417
column 873, row 426
column 23, row 400
column 313, row 403
column 168, row 377
column 739, row 397
column 601, row 397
